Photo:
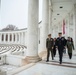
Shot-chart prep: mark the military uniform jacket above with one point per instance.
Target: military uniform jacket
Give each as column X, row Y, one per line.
column 60, row 42
column 70, row 46
column 49, row 43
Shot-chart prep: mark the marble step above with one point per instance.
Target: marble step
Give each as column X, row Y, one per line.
column 56, row 63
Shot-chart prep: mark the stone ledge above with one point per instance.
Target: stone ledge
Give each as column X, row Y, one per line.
column 15, row 71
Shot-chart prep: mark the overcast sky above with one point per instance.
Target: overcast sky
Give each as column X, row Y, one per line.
column 0, row 13
column 15, row 12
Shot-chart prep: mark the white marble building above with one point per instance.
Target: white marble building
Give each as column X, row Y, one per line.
column 13, row 37
column 55, row 15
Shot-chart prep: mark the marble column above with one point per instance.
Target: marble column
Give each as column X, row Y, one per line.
column 0, row 37
column 19, row 38
column 8, row 37
column 32, row 32
column 45, row 25
column 58, row 28
column 22, row 38
column 74, row 25
column 12, row 37
column 16, row 38
column 25, row 37
column 50, row 17
column 53, row 34
column 68, row 31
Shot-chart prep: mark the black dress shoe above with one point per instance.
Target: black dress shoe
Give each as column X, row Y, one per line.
column 60, row 62
column 47, row 60
column 52, row 59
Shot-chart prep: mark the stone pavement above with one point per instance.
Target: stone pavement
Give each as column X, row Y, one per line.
column 7, row 67
column 68, row 67
column 46, row 69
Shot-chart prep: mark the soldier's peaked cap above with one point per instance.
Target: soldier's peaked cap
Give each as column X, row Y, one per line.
column 49, row 34
column 59, row 33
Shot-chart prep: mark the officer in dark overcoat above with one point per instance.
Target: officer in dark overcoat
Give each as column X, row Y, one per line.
column 60, row 44
column 54, row 49
column 49, row 46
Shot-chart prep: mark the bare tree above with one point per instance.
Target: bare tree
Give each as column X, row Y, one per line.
column 10, row 27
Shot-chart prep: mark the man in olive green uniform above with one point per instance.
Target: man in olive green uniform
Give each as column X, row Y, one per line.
column 70, row 47
column 49, row 46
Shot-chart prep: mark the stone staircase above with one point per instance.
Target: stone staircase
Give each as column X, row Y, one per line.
column 65, row 63
column 12, row 48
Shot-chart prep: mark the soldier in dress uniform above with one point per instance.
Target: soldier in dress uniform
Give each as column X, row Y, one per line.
column 60, row 44
column 54, row 49
column 70, row 47
column 49, row 46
